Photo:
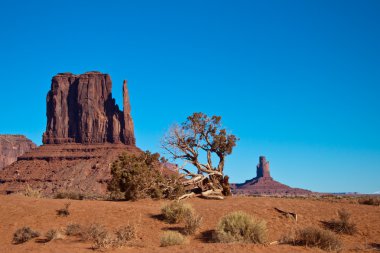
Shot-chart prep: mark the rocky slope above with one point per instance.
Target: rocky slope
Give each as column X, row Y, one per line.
column 13, row 146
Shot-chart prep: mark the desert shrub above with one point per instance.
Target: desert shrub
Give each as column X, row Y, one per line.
column 74, row 230
column 316, row 237
column 32, row 193
column 69, row 195
column 24, row 234
column 192, row 223
column 372, row 201
column 137, row 177
column 176, row 211
column 172, row 238
column 240, row 227
column 343, row 225
column 103, row 239
column 64, row 212
column 124, row 235
column 53, row 234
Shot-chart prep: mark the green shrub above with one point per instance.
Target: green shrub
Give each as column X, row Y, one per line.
column 176, row 211
column 24, row 234
column 137, row 177
column 171, row 238
column 242, row 228
column 316, row 237
column 54, row 234
column 343, row 225
column 192, row 223
column 74, row 230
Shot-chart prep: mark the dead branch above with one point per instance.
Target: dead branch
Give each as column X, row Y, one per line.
column 287, row 214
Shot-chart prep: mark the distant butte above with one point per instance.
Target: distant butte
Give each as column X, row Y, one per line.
column 263, row 183
column 13, row 146
column 85, row 133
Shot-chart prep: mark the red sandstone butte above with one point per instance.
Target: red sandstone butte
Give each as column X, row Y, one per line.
column 85, row 133
column 13, row 146
column 263, row 183
column 80, row 109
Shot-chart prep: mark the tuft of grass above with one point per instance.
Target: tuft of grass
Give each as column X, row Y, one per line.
column 64, row 212
column 343, row 225
column 32, row 193
column 316, row 237
column 74, row 230
column 54, row 234
column 172, row 238
column 176, row 211
column 370, row 200
column 239, row 227
column 24, row 234
column 192, row 224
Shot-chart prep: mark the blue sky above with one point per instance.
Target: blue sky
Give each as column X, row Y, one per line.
column 297, row 81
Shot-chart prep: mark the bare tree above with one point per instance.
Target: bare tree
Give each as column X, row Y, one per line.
column 202, row 137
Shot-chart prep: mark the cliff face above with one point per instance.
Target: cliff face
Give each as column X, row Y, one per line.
column 80, row 109
column 13, row 146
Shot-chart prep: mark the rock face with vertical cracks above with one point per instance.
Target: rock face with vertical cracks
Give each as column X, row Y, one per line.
column 13, row 146
column 80, row 109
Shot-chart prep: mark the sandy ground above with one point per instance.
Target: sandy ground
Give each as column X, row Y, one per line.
column 40, row 214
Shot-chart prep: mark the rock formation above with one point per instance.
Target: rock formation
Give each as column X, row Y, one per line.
column 80, row 109
column 263, row 184
column 13, row 146
column 85, row 133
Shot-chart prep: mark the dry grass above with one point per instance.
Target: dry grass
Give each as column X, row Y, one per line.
column 343, row 225
column 192, row 224
column 24, row 234
column 172, row 238
column 370, row 200
column 54, row 234
column 74, row 230
column 316, row 237
column 64, row 212
column 176, row 211
column 69, row 195
column 242, row 228
column 103, row 239
column 32, row 193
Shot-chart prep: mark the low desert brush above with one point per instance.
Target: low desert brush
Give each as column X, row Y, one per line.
column 54, row 234
column 192, row 223
column 32, row 193
column 69, row 195
column 64, row 212
column 74, row 230
column 124, row 235
column 172, row 238
column 176, row 211
column 24, row 234
column 343, row 225
column 372, row 201
column 241, row 228
column 317, row 237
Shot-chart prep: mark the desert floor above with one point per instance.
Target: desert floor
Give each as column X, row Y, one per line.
column 40, row 214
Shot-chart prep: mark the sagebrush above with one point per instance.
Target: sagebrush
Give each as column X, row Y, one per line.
column 239, row 227
column 24, row 234
column 172, row 238
column 317, row 237
column 343, row 224
column 176, row 211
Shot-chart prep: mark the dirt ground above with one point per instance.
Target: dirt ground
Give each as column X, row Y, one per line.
column 17, row 211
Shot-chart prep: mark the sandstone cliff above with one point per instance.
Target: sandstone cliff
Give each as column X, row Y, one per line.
column 80, row 109
column 13, row 146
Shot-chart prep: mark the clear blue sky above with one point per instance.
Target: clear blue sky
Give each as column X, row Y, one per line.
column 297, row 81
